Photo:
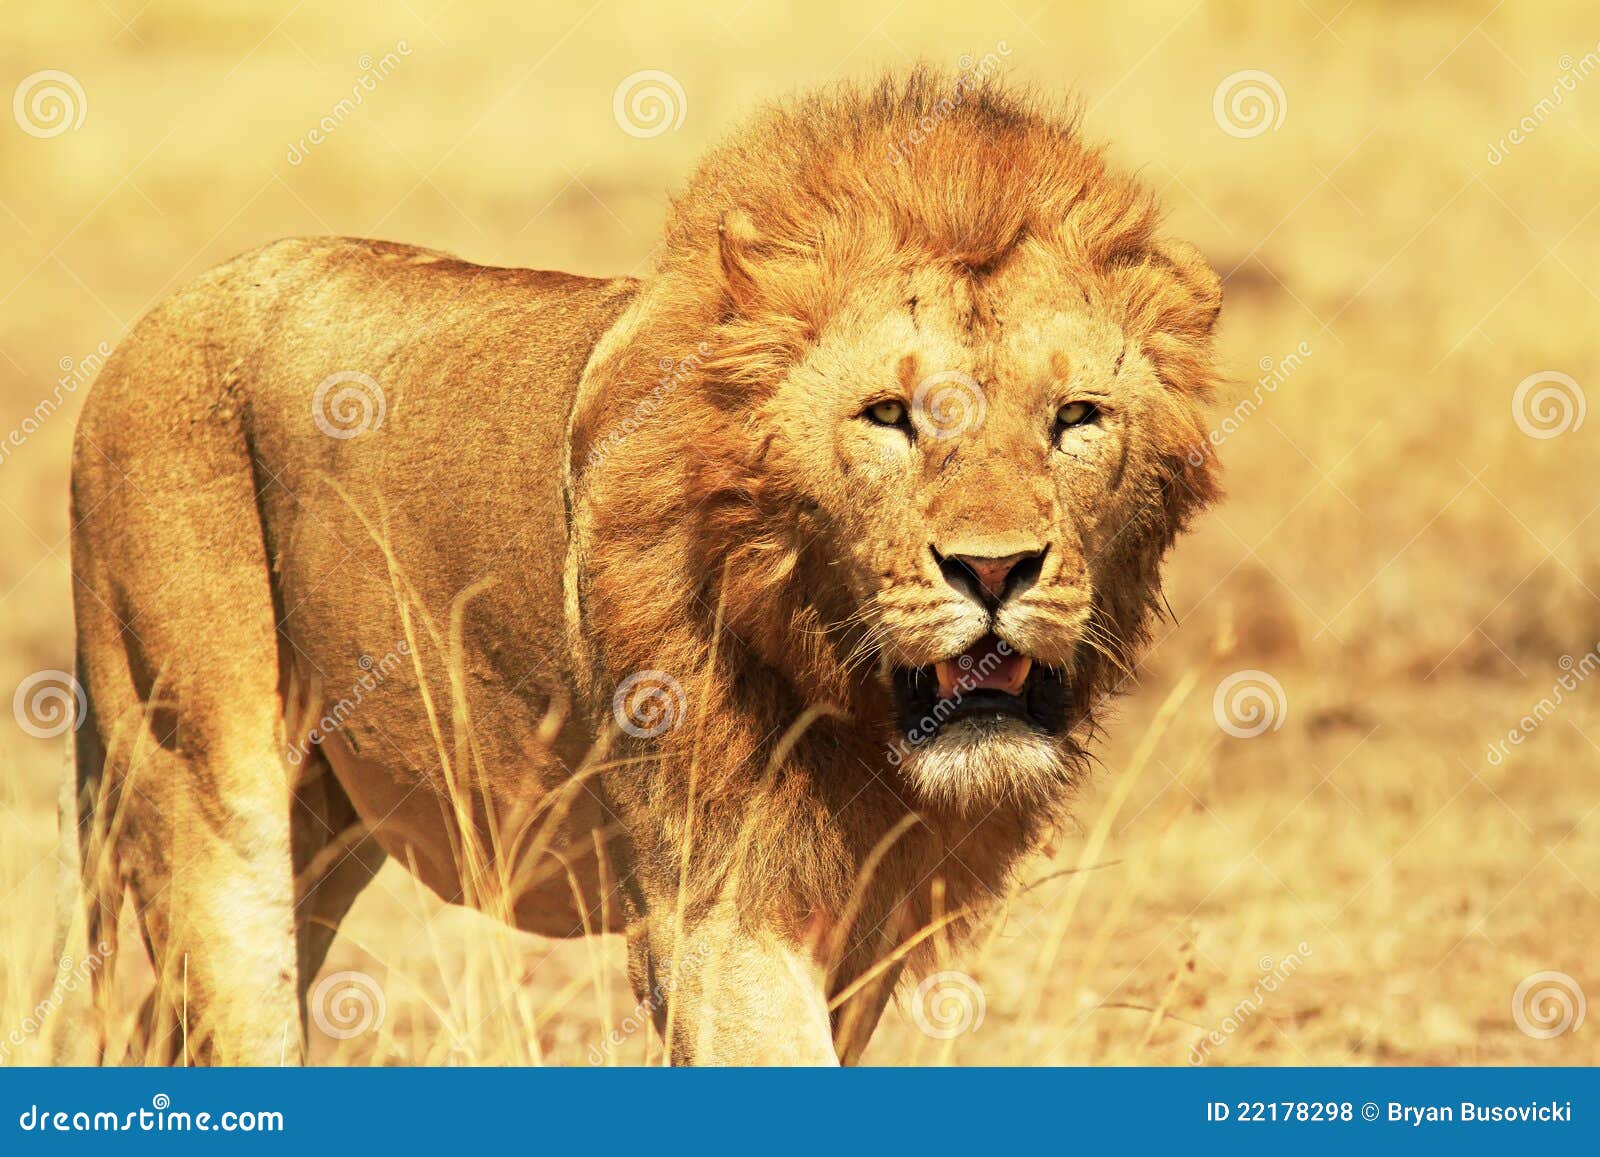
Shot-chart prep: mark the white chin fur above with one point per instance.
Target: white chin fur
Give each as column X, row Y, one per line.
column 973, row 765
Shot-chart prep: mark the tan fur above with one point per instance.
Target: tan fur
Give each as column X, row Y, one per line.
column 576, row 481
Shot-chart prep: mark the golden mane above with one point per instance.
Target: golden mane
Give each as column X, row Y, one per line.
column 853, row 183
column 694, row 561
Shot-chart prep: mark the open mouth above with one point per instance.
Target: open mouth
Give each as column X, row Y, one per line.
column 990, row 682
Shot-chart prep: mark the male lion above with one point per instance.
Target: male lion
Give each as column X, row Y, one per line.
column 758, row 609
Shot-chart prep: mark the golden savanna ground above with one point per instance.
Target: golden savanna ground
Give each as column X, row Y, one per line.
column 1408, row 565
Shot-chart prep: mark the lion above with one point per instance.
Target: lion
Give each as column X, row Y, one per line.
column 758, row 610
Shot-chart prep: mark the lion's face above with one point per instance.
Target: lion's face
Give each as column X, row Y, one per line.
column 983, row 465
column 939, row 433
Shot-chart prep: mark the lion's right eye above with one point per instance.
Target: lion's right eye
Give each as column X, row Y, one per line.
column 887, row 413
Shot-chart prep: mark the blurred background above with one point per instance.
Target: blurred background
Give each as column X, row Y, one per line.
column 1312, row 838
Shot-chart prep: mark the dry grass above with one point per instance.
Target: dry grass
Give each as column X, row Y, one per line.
column 1405, row 561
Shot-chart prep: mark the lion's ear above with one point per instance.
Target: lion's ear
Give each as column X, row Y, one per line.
column 1196, row 276
column 736, row 237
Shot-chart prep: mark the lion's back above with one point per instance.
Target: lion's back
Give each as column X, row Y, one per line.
column 260, row 333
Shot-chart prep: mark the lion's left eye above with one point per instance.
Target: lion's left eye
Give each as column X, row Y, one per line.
column 1077, row 414
column 887, row 412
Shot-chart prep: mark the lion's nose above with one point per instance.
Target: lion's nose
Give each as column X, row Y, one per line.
column 991, row 578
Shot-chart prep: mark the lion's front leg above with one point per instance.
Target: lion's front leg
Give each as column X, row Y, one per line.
column 723, row 992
